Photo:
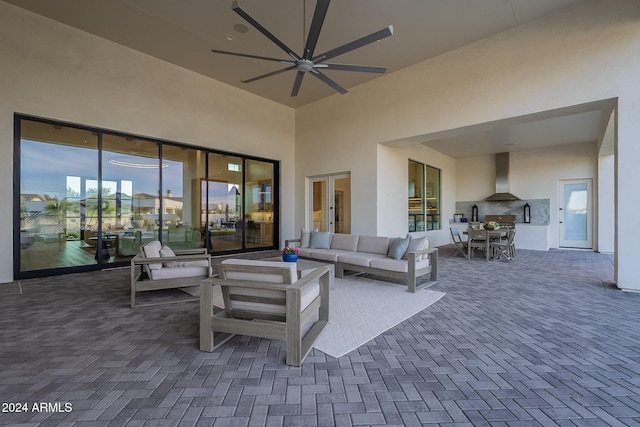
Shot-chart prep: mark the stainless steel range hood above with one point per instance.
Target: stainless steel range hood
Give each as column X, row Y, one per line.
column 502, row 180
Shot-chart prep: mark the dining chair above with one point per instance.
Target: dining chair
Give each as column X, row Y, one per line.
column 461, row 245
column 504, row 249
column 477, row 240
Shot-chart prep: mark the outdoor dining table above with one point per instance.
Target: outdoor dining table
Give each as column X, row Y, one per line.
column 487, row 237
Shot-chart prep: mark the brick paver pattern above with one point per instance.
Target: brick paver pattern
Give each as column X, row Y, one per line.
column 544, row 340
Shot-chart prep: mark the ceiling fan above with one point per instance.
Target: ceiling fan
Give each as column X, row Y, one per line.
column 307, row 62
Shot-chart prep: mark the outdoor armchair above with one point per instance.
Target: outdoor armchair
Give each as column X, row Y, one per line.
column 265, row 299
column 159, row 267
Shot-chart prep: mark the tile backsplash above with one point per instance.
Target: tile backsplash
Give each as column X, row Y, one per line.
column 540, row 209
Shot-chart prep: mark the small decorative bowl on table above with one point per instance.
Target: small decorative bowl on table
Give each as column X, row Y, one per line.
column 290, row 257
column 491, row 225
column 289, row 254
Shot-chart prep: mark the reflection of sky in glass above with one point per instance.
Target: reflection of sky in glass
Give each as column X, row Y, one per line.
column 577, row 201
column 46, row 166
column 221, row 193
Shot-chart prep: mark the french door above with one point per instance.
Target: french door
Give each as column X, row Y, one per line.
column 329, row 207
column 575, row 214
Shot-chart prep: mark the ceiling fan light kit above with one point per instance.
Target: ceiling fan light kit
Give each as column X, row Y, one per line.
column 307, row 63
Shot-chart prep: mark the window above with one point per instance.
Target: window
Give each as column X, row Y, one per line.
column 424, row 197
column 88, row 198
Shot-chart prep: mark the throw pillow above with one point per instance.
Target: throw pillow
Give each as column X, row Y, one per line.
column 417, row 244
column 398, row 247
column 305, row 238
column 152, row 250
column 320, row 240
column 166, row 251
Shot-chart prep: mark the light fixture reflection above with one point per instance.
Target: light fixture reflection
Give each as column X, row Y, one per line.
column 136, row 164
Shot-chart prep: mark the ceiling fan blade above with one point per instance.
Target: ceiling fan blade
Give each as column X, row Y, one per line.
column 328, row 81
column 297, row 82
column 360, row 68
column 272, row 73
column 244, row 55
column 374, row 37
column 236, row 8
column 316, row 25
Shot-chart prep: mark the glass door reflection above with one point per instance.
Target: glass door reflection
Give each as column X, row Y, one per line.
column 222, row 207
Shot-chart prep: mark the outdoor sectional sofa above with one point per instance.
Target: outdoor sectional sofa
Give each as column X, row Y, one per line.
column 406, row 258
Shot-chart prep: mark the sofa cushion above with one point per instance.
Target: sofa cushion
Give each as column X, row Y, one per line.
column 359, row 258
column 417, row 244
column 398, row 247
column 327, row 254
column 400, row 265
column 305, row 252
column 152, row 250
column 346, row 242
column 320, row 240
column 373, row 244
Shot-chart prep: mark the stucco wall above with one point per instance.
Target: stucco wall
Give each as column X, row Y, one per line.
column 55, row 71
column 587, row 53
column 393, row 189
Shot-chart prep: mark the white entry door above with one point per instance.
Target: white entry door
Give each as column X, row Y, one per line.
column 575, row 214
column 329, row 207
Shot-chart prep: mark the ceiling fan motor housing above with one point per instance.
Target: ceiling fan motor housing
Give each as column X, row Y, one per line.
column 304, row 65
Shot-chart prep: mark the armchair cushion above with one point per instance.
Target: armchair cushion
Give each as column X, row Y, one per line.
column 187, row 269
column 257, row 275
column 307, row 295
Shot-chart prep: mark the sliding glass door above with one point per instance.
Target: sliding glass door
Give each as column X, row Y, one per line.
column 223, row 207
column 56, row 163
column 91, row 198
column 130, row 186
column 259, row 199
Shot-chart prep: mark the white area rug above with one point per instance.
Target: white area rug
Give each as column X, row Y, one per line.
column 360, row 309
